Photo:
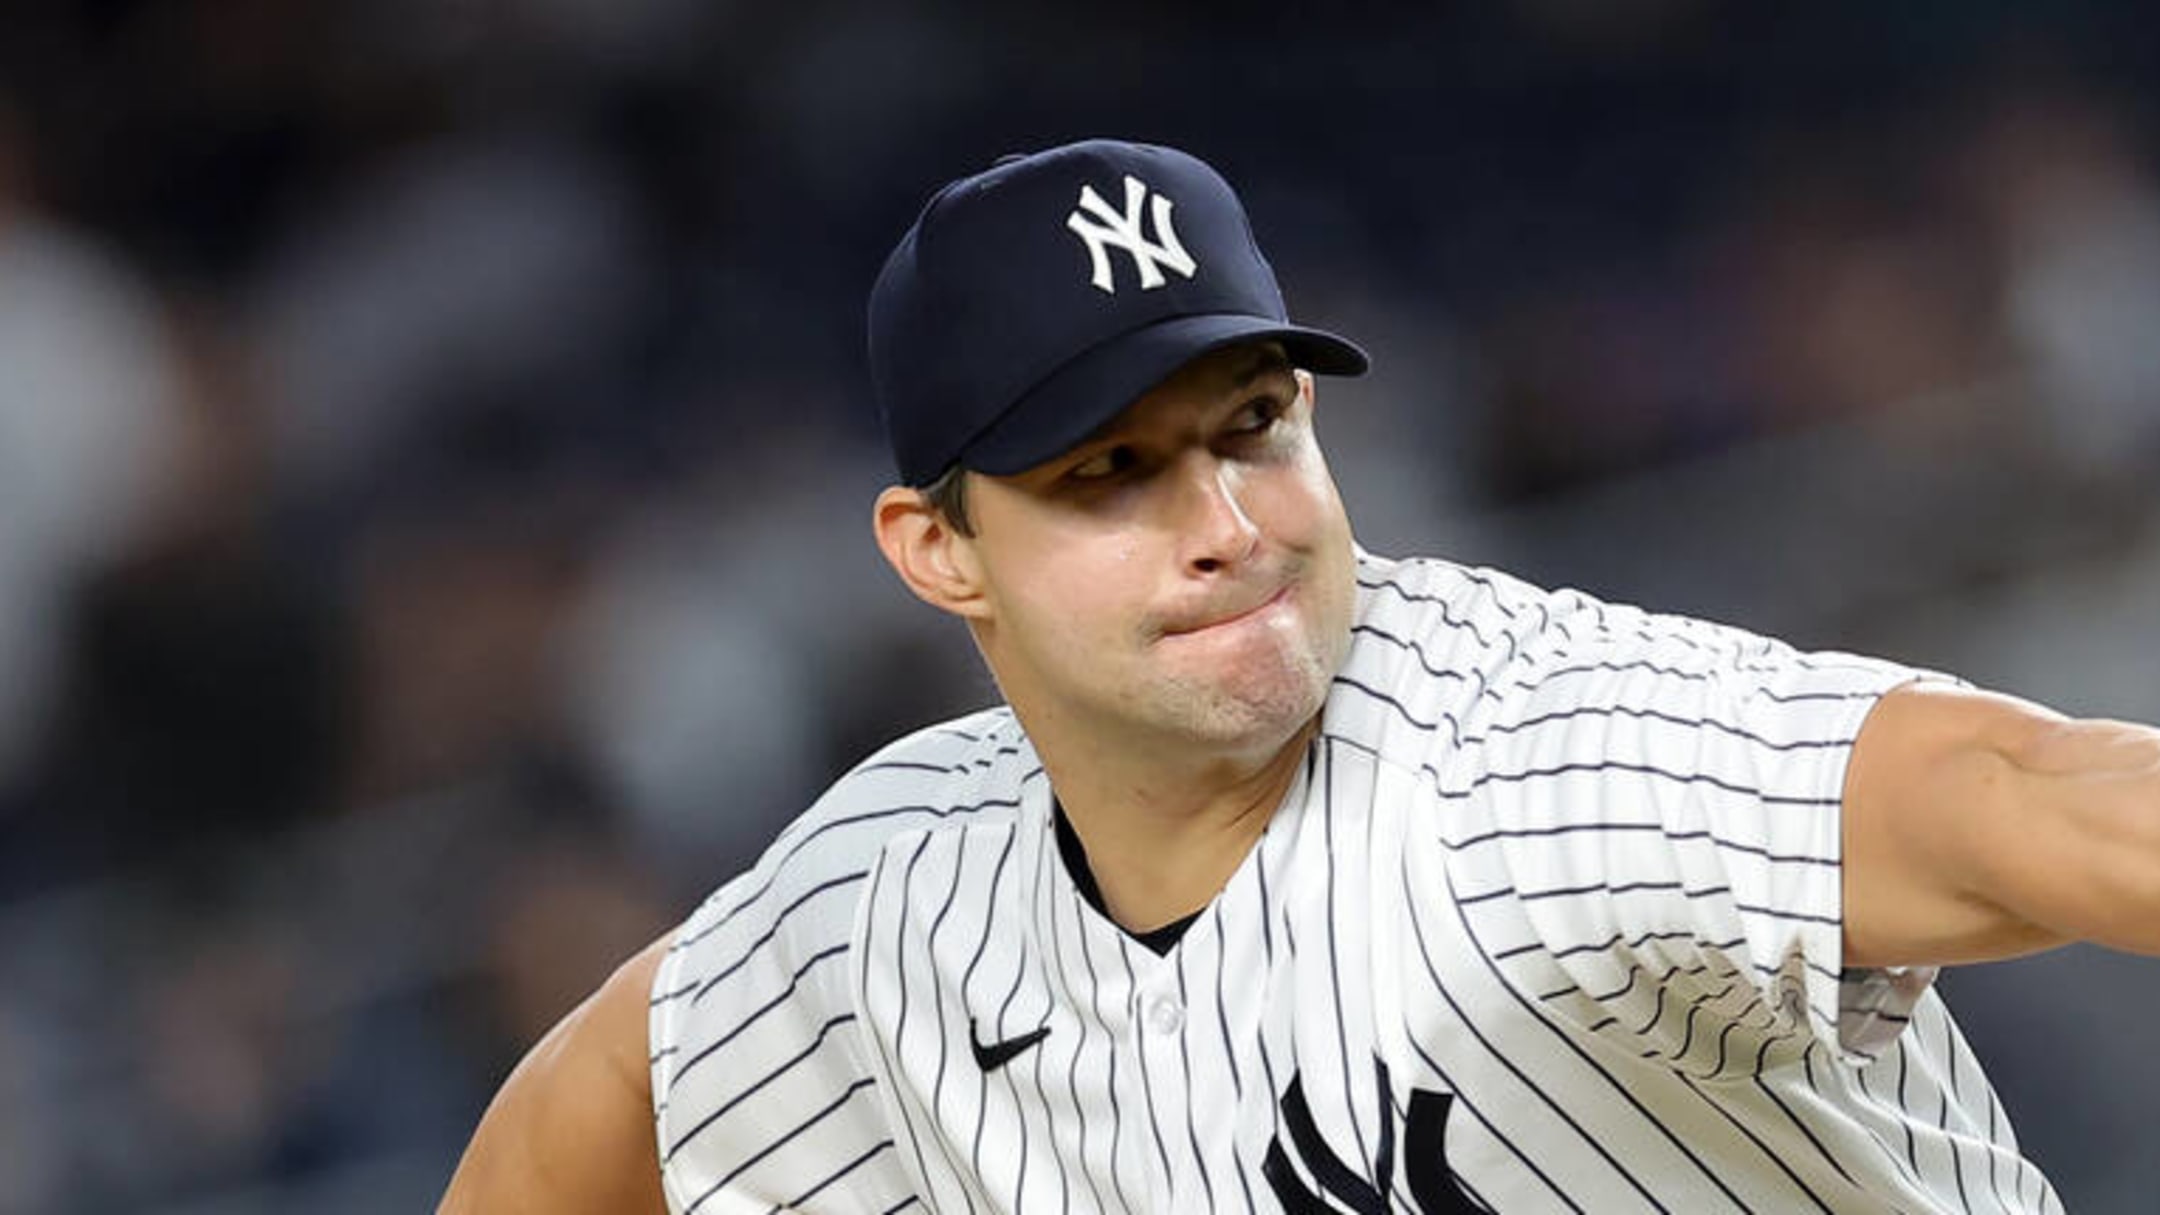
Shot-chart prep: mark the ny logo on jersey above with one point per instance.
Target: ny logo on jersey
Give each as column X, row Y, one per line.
column 1424, row 1155
column 1099, row 228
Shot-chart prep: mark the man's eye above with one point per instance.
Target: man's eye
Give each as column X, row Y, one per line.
column 1106, row 463
column 1257, row 416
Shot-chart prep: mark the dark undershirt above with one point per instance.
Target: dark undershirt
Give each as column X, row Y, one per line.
column 1160, row 940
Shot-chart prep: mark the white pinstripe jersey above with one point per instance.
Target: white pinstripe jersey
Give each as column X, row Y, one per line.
column 1549, row 921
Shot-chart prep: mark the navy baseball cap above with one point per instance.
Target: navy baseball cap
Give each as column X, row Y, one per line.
column 1033, row 301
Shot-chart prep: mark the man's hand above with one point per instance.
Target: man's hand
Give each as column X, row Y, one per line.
column 571, row 1132
column 1980, row 827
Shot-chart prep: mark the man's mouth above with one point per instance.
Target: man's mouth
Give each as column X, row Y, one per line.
column 1218, row 619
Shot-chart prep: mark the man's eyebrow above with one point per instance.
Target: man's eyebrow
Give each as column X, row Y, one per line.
column 1264, row 361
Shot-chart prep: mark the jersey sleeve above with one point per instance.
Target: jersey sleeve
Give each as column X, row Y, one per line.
column 764, row 1091
column 763, row 1097
column 1659, row 808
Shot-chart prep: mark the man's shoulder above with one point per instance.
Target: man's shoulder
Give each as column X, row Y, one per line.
column 955, row 772
column 808, row 881
column 753, row 1007
column 1478, row 609
column 1450, row 590
column 1450, row 618
column 951, row 753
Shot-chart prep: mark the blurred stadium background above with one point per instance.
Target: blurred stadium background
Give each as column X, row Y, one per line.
column 435, row 461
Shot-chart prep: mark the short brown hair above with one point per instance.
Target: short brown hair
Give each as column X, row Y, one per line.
column 948, row 497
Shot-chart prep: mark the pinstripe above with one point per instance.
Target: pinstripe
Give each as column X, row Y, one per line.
column 936, row 1108
column 845, row 1096
column 1897, row 1160
column 1695, row 1009
column 1636, row 970
column 798, row 845
column 1995, row 1159
column 1910, row 1160
column 831, row 951
column 1957, row 1162
column 1638, row 713
column 1735, row 650
column 952, row 891
column 1245, row 1187
column 1192, row 1132
column 758, row 1084
column 1117, row 1127
column 1048, row 928
column 900, row 1038
column 797, row 1201
column 1396, row 1181
column 1384, row 1164
column 1496, row 590
column 1147, row 1082
column 1540, row 1017
column 1476, row 1197
column 1955, row 1054
column 1912, row 1149
column 909, row 765
column 1661, row 829
column 831, row 884
column 1951, row 1141
column 1072, row 1067
column 967, row 984
column 1222, row 1014
column 1020, row 968
column 1439, row 603
column 1267, row 1065
column 2026, row 1172
column 1812, row 1197
column 1651, row 770
column 1634, row 942
column 1801, row 917
column 1020, row 1130
column 1424, row 660
column 1588, row 1140
column 1266, row 915
column 1803, row 697
column 1342, row 1042
column 1071, row 922
column 1402, row 710
column 1806, row 1132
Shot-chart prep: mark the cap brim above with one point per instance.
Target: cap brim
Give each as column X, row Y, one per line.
column 1076, row 399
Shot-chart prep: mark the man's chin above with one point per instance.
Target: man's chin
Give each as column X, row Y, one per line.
column 1248, row 714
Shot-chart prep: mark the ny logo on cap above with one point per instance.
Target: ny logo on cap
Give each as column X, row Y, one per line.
column 1100, row 227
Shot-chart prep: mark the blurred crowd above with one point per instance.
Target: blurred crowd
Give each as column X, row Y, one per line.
column 435, row 458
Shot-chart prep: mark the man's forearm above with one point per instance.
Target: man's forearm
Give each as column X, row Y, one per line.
column 1980, row 827
column 2090, row 792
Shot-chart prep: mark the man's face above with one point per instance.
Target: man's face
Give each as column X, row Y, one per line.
column 1185, row 577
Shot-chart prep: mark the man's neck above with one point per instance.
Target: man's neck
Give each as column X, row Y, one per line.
column 1162, row 839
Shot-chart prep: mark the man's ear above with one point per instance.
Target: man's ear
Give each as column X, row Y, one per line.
column 932, row 557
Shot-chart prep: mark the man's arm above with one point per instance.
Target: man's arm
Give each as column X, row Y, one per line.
column 571, row 1132
column 1980, row 827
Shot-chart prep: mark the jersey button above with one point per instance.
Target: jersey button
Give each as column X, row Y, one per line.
column 1165, row 1017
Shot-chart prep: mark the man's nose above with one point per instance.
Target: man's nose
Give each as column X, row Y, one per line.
column 1214, row 529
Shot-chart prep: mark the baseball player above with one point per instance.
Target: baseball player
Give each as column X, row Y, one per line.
column 1291, row 878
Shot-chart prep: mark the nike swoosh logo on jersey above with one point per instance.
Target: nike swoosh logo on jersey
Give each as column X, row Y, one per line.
column 998, row 1054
